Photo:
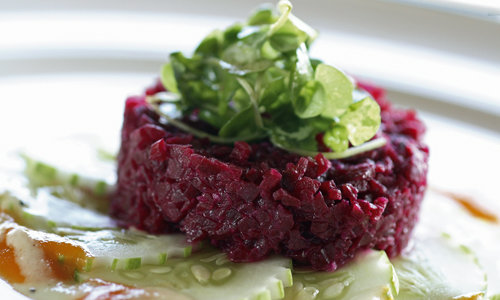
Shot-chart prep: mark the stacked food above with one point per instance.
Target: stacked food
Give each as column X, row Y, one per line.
column 260, row 149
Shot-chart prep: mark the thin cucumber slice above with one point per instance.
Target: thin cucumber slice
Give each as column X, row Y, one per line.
column 370, row 276
column 109, row 246
column 44, row 211
column 439, row 268
column 208, row 274
column 70, row 162
column 128, row 249
column 444, row 214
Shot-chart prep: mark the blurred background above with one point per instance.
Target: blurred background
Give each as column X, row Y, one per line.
column 446, row 50
column 66, row 68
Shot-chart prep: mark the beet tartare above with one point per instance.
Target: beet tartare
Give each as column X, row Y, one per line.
column 268, row 150
column 251, row 200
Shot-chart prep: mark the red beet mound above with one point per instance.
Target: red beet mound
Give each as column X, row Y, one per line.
column 253, row 200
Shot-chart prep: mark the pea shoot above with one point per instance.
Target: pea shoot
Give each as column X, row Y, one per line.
column 256, row 80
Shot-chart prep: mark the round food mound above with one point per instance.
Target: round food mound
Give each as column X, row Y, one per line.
column 251, row 200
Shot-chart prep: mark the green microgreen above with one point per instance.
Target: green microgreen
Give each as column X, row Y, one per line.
column 256, row 80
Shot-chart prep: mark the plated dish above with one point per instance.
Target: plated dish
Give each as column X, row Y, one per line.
column 136, row 272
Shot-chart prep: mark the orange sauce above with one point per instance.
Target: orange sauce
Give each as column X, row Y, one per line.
column 472, row 206
column 9, row 269
column 64, row 258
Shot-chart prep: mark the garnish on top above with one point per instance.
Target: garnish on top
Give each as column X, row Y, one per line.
column 256, row 80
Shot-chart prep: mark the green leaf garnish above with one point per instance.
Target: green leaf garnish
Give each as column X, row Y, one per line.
column 336, row 138
column 238, row 124
column 373, row 144
column 338, row 89
column 285, row 8
column 311, row 100
column 361, row 120
column 168, row 78
column 263, row 15
column 256, row 80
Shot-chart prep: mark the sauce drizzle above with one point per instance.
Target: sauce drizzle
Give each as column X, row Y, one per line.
column 471, row 205
column 9, row 269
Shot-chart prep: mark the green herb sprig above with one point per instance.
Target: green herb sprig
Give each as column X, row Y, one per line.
column 256, row 80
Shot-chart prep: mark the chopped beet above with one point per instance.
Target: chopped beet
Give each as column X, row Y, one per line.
column 254, row 200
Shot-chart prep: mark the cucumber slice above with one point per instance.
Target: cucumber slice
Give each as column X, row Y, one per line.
column 370, row 276
column 70, row 162
column 87, row 180
column 439, row 268
column 128, row 249
column 208, row 274
column 44, row 211
column 110, row 247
